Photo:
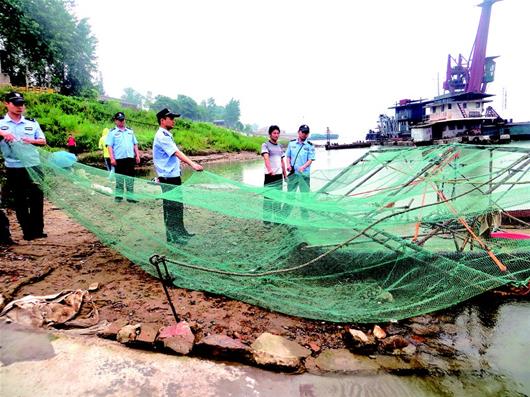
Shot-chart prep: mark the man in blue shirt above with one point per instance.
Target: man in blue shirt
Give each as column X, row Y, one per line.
column 167, row 158
column 300, row 155
column 124, row 154
column 17, row 137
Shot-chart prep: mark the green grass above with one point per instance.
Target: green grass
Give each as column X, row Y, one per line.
column 60, row 115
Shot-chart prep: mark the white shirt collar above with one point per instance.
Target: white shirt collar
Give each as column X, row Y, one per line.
column 8, row 118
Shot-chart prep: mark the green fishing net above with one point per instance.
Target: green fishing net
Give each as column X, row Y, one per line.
column 395, row 234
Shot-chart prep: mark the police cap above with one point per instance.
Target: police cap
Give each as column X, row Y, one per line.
column 16, row 98
column 119, row 116
column 166, row 113
column 304, row 128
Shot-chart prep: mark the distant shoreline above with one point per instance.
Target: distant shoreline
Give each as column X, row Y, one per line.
column 146, row 158
column 226, row 157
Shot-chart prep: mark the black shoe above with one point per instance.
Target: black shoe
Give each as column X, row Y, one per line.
column 118, row 199
column 178, row 241
column 132, row 201
column 181, row 238
column 34, row 236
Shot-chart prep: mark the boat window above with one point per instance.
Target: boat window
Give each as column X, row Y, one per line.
column 442, row 109
column 464, row 105
column 477, row 105
column 449, row 106
column 434, row 109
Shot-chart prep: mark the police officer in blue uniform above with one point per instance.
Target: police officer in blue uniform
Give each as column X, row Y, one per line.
column 300, row 155
column 18, row 135
column 124, row 154
column 167, row 158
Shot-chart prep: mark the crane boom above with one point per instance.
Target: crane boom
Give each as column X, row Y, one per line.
column 474, row 74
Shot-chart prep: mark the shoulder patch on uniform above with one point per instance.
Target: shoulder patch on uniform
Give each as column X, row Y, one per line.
column 311, row 143
column 292, row 140
column 31, row 120
column 1, row 117
column 166, row 133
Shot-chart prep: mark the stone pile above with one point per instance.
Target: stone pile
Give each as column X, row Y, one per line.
column 367, row 351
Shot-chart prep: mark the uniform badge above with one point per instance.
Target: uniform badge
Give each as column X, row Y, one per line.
column 4, row 127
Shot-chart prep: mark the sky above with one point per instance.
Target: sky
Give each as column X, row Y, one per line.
column 333, row 63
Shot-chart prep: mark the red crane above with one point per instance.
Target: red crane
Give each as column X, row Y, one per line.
column 473, row 75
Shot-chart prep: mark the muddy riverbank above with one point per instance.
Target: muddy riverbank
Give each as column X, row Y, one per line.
column 72, row 258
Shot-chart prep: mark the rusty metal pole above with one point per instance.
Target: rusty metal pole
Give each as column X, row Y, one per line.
column 155, row 261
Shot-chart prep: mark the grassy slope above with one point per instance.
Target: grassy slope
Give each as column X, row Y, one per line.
column 60, row 115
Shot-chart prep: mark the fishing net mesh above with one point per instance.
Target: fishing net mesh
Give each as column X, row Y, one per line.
column 397, row 233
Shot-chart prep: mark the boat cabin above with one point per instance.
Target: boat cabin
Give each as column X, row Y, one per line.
column 454, row 115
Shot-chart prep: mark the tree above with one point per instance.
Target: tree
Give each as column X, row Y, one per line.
column 148, row 100
column 187, row 107
column 133, row 97
column 209, row 111
column 232, row 114
column 46, row 45
column 80, row 61
column 99, row 84
column 162, row 102
column 250, row 128
column 202, row 112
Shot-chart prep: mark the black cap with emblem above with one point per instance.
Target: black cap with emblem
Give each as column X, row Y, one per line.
column 304, row 129
column 166, row 113
column 119, row 116
column 16, row 98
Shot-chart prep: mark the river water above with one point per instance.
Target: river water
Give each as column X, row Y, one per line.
column 494, row 338
column 251, row 172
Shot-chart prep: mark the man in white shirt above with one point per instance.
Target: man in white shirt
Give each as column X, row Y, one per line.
column 275, row 171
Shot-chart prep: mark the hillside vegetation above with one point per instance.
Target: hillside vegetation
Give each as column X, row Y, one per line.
column 61, row 115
